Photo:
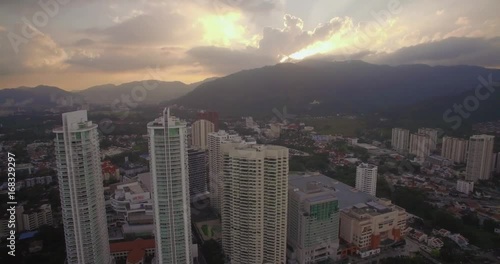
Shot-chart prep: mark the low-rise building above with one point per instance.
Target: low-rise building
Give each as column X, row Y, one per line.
column 134, row 252
column 132, row 203
column 110, row 171
column 32, row 219
column 466, row 187
column 373, row 224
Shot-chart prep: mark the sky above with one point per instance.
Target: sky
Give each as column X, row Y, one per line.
column 75, row 44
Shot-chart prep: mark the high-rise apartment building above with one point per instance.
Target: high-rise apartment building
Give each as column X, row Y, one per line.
column 433, row 135
column 254, row 205
column 420, row 145
column 400, row 139
column 199, row 133
column 313, row 221
column 80, row 184
column 33, row 218
column 454, row 149
column 366, row 178
column 198, row 172
column 480, row 158
column 171, row 203
column 215, row 141
column 210, row 116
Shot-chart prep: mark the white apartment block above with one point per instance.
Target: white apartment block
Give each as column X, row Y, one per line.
column 80, row 184
column 199, row 133
column 466, row 187
column 454, row 149
column 366, row 178
column 32, row 219
column 170, row 177
column 433, row 135
column 215, row 141
column 313, row 221
column 400, row 139
column 420, row 145
column 254, row 205
column 480, row 158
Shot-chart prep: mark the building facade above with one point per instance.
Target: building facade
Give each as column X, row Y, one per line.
column 210, row 116
column 366, row 178
column 454, row 149
column 400, row 139
column 466, row 187
column 81, row 190
column 420, row 145
column 480, row 158
column 433, row 135
column 170, row 177
column 313, row 222
column 369, row 225
column 254, row 205
column 198, row 172
column 32, row 219
column 215, row 162
column 199, row 133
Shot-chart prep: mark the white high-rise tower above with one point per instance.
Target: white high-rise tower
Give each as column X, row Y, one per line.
column 80, row 184
column 169, row 170
column 366, row 178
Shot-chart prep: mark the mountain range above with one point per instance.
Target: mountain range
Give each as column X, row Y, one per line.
column 318, row 87
column 307, row 87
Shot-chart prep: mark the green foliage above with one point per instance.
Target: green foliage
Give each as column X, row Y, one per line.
column 383, row 188
column 345, row 174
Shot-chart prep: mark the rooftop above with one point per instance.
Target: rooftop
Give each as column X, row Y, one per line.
column 136, row 249
column 346, row 195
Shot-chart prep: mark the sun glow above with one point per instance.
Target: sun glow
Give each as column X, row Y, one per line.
column 223, row 30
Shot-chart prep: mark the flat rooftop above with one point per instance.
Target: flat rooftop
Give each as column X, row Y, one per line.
column 347, row 196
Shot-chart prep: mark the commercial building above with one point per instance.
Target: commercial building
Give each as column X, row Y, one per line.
column 170, row 176
column 367, row 223
column 480, row 158
column 80, row 185
column 133, row 252
column 199, row 133
column 133, row 203
column 433, row 135
column 366, row 178
column 254, row 205
column 198, row 172
column 400, row 139
column 420, row 145
column 466, row 187
column 371, row 225
column 313, row 222
column 454, row 149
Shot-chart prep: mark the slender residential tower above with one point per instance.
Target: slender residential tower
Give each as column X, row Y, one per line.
column 366, row 178
column 169, row 170
column 80, row 185
column 254, row 203
column 480, row 158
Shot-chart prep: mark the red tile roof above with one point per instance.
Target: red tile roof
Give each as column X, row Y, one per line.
column 136, row 249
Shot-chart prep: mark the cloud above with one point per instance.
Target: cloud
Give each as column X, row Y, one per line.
column 250, row 6
column 84, row 42
column 450, row 51
column 462, row 21
column 224, row 60
column 122, row 59
column 37, row 54
column 292, row 37
column 152, row 28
